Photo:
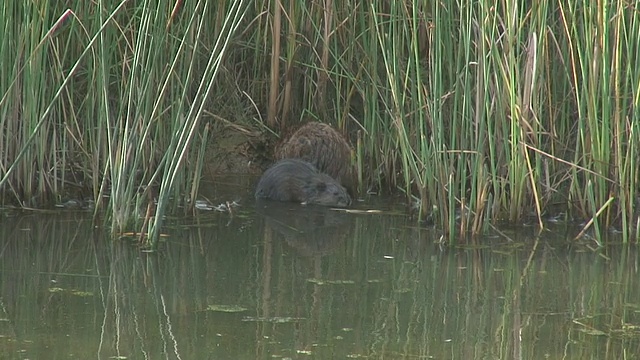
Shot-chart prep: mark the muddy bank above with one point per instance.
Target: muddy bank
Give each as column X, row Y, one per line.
column 237, row 150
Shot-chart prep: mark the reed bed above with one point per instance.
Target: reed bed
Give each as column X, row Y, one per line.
column 477, row 111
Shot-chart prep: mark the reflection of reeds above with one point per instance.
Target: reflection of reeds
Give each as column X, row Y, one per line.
column 385, row 290
column 60, row 279
column 48, row 264
column 476, row 111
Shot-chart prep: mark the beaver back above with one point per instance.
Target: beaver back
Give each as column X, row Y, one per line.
column 322, row 146
column 296, row 180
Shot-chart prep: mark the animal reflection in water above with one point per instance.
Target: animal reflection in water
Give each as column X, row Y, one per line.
column 310, row 230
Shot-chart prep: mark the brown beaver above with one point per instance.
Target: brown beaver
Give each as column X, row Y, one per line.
column 323, row 147
column 298, row 181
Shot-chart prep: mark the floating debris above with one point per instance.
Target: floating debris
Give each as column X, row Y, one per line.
column 203, row 205
column 73, row 292
column 227, row 206
column 275, row 320
column 330, row 282
column 226, row 308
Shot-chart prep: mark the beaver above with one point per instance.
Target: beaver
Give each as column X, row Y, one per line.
column 322, row 146
column 299, row 181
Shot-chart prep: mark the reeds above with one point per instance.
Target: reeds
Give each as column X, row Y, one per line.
column 110, row 103
column 483, row 111
column 477, row 111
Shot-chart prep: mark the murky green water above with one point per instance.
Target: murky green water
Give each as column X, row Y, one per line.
column 301, row 283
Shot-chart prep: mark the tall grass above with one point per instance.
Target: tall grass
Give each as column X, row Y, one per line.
column 111, row 102
column 481, row 111
column 476, row 111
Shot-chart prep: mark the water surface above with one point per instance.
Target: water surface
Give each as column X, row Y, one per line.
column 290, row 282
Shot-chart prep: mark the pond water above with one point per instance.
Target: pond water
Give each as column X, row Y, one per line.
column 283, row 281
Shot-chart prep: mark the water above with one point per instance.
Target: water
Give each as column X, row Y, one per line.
column 289, row 282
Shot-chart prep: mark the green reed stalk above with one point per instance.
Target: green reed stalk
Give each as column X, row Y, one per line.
column 397, row 74
column 593, row 101
column 53, row 139
column 186, row 131
column 457, row 106
column 477, row 111
column 602, row 78
column 118, row 129
column 626, row 38
column 26, row 146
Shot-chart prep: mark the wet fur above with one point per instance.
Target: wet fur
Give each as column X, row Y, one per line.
column 296, row 180
column 323, row 147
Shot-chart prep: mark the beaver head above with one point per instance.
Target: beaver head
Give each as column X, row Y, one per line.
column 324, row 190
